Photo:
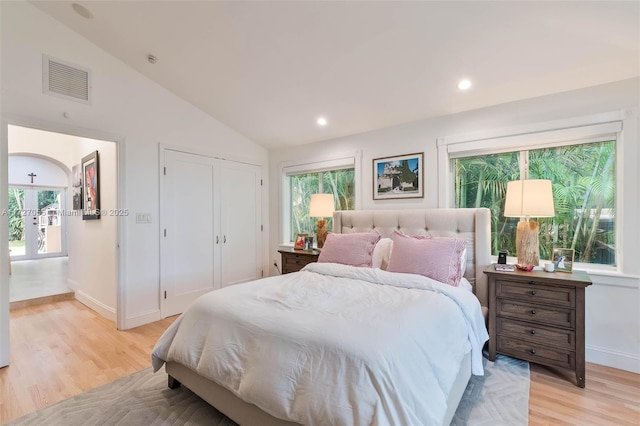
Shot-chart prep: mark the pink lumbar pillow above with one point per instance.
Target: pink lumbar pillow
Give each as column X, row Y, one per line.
column 437, row 258
column 349, row 249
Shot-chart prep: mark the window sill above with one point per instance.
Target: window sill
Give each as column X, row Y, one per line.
column 591, row 269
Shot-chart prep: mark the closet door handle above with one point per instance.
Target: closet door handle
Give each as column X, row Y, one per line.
column 217, row 239
column 224, row 239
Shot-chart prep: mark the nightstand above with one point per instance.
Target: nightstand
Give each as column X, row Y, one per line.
column 294, row 260
column 538, row 316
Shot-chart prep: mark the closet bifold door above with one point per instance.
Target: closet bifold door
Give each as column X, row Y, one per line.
column 240, row 206
column 187, row 230
column 211, row 230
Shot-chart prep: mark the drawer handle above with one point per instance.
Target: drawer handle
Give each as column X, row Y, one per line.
column 531, row 282
column 533, row 292
column 533, row 351
column 533, row 312
column 297, row 262
column 532, row 332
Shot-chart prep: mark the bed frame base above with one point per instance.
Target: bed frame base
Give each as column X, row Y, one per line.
column 172, row 382
column 246, row 414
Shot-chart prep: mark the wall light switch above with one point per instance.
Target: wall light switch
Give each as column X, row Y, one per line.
column 143, row 218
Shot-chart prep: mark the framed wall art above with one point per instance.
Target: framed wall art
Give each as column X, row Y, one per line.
column 76, row 185
column 398, row 177
column 91, row 188
column 563, row 259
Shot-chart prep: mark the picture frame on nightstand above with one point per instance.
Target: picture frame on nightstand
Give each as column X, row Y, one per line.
column 563, row 259
column 300, row 242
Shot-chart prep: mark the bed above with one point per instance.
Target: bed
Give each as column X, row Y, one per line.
column 359, row 353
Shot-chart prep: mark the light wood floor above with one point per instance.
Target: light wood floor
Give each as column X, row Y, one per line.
column 31, row 279
column 62, row 349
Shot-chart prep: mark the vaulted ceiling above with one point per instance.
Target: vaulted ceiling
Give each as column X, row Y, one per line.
column 270, row 69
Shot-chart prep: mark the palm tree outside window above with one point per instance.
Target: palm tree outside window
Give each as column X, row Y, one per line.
column 583, row 177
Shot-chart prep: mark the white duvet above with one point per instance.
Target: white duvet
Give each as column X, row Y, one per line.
column 333, row 344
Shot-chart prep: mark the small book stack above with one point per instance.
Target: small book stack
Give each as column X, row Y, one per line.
column 501, row 267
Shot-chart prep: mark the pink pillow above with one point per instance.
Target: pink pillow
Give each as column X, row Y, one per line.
column 437, row 258
column 349, row 249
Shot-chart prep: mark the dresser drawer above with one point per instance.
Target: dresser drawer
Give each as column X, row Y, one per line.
column 536, row 353
column 293, row 260
column 292, row 268
column 534, row 333
column 536, row 293
column 545, row 315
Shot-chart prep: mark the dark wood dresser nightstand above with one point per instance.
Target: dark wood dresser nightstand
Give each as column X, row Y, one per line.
column 294, row 260
column 538, row 316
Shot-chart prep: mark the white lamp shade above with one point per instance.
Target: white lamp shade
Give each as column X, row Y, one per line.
column 529, row 198
column 321, row 205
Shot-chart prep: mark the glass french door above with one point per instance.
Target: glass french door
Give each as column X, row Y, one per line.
column 36, row 225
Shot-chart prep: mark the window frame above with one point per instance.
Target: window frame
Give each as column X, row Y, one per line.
column 597, row 128
column 288, row 169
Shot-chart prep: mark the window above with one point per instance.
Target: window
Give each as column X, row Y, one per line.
column 335, row 176
column 583, row 177
column 339, row 182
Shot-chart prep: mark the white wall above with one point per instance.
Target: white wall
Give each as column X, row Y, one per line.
column 127, row 108
column 93, row 263
column 47, row 173
column 613, row 321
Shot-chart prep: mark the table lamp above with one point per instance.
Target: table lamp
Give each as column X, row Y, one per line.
column 321, row 206
column 525, row 199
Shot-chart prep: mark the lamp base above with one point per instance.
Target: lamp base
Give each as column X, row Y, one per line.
column 322, row 232
column 527, row 244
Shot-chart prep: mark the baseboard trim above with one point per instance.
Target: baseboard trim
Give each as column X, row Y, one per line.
column 141, row 319
column 616, row 359
column 19, row 304
column 106, row 311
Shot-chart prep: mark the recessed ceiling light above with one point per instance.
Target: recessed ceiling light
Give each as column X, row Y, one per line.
column 321, row 121
column 82, row 11
column 464, row 84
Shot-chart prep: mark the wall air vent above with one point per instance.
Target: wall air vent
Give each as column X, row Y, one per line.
column 66, row 80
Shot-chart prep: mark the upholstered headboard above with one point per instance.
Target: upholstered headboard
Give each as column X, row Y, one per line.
column 472, row 224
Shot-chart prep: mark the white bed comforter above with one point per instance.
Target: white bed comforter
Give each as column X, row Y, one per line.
column 333, row 344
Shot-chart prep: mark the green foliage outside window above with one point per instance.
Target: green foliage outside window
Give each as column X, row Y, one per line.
column 584, row 185
column 340, row 183
column 16, row 218
column 16, row 209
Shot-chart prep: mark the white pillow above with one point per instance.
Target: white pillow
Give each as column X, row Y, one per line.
column 463, row 262
column 382, row 253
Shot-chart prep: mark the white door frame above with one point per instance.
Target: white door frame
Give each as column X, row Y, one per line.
column 34, row 123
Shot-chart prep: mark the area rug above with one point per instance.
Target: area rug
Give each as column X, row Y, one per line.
column 500, row 397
